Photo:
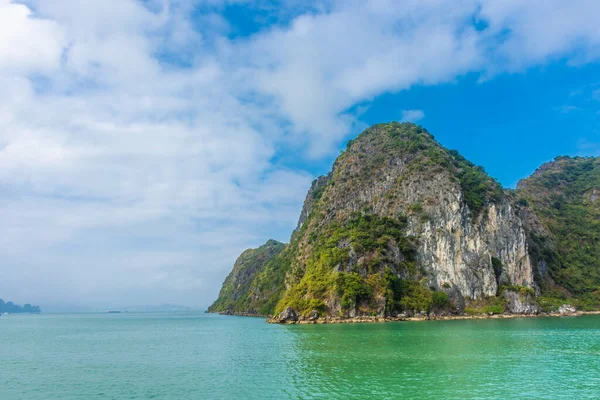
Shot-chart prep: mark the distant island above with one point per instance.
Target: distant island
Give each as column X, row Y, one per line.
column 159, row 308
column 12, row 308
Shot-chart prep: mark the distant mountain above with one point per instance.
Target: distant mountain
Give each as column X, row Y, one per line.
column 11, row 308
column 403, row 225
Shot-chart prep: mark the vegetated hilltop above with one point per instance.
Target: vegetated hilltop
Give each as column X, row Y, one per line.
column 565, row 195
column 402, row 225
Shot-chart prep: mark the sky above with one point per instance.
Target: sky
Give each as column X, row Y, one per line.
column 145, row 144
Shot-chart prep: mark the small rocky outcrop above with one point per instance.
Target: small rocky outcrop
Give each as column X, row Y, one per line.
column 314, row 315
column 288, row 316
column 567, row 309
column 520, row 303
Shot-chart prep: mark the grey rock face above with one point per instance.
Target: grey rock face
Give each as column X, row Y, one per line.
column 517, row 303
column 313, row 195
column 567, row 309
column 455, row 246
column 594, row 195
column 287, row 316
column 459, row 250
column 247, row 265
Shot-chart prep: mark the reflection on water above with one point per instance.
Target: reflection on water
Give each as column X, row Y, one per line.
column 518, row 358
column 198, row 356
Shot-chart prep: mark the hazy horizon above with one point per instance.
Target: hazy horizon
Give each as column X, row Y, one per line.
column 70, row 308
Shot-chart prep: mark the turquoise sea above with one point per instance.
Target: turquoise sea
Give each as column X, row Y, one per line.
column 202, row 356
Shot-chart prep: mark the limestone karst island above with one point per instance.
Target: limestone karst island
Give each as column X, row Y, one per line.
column 300, row 199
column 402, row 227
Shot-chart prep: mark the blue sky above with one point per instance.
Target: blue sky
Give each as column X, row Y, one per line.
column 512, row 123
column 145, row 144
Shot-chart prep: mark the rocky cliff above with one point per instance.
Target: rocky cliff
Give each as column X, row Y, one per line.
column 564, row 194
column 236, row 296
column 398, row 219
column 403, row 225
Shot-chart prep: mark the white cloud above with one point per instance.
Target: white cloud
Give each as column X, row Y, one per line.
column 123, row 175
column 137, row 144
column 28, row 45
column 412, row 115
column 533, row 32
column 325, row 63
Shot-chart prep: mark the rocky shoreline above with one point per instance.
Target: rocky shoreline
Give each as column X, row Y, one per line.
column 286, row 318
column 236, row 314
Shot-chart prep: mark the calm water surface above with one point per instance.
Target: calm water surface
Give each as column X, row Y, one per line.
column 201, row 356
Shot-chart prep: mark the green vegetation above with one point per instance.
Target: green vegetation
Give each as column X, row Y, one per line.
column 352, row 288
column 352, row 262
column 498, row 267
column 477, row 186
column 343, row 262
column 487, row 305
column 236, row 293
column 551, row 301
column 412, row 140
column 269, row 284
column 440, row 300
column 333, row 266
column 551, row 304
column 415, row 297
column 318, row 191
column 562, row 195
column 524, row 290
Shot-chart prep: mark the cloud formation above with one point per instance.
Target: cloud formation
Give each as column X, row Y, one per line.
column 412, row 115
column 139, row 141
